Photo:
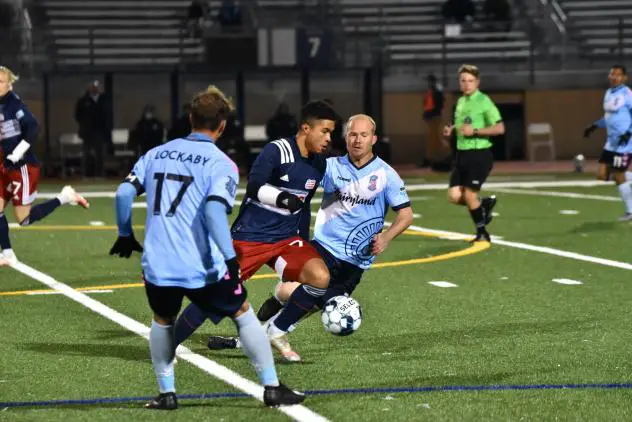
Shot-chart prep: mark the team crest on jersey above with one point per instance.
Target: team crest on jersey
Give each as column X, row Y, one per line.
column 310, row 184
column 373, row 183
column 231, row 186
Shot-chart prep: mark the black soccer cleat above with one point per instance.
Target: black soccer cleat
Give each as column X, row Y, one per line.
column 269, row 309
column 222, row 343
column 482, row 237
column 163, row 401
column 281, row 396
column 488, row 204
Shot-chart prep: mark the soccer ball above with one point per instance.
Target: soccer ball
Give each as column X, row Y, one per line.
column 341, row 315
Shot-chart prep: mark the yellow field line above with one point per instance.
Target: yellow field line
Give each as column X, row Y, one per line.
column 474, row 248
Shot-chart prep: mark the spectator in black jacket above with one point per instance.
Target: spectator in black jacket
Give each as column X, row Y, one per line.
column 93, row 114
column 433, row 101
column 282, row 124
column 148, row 133
column 182, row 126
column 458, row 11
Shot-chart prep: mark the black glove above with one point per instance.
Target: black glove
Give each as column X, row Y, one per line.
column 288, row 201
column 233, row 273
column 590, row 129
column 125, row 245
column 623, row 139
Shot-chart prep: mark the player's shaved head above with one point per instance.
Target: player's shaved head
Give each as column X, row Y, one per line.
column 209, row 109
column 361, row 117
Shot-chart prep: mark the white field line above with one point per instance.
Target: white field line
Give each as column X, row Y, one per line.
column 557, row 194
column 297, row 412
column 534, row 248
column 410, row 188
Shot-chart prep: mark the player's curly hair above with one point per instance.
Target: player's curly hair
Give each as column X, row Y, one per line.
column 471, row 69
column 209, row 108
column 13, row 78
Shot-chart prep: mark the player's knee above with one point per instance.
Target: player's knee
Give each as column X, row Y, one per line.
column 316, row 274
column 243, row 309
column 284, row 290
column 164, row 320
column 455, row 196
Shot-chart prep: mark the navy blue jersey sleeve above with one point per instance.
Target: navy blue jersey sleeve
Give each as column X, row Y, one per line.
column 28, row 123
column 262, row 169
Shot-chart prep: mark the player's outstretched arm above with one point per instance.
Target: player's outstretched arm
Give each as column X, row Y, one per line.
column 403, row 220
column 599, row 124
column 126, row 243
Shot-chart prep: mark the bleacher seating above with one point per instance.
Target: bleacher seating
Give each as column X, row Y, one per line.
column 412, row 30
column 120, row 32
column 600, row 26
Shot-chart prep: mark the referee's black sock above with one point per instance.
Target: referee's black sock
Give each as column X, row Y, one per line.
column 478, row 216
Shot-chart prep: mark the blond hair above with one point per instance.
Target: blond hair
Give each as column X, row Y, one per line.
column 471, row 69
column 209, row 108
column 361, row 116
column 13, row 78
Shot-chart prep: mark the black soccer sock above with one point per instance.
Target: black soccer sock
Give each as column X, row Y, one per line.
column 189, row 321
column 300, row 304
column 5, row 243
column 478, row 216
column 40, row 211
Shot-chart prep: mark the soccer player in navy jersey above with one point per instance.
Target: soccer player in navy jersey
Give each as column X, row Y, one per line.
column 349, row 230
column 20, row 169
column 274, row 214
column 188, row 250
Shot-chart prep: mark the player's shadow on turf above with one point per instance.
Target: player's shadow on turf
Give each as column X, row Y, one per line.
column 113, row 334
column 126, row 352
column 594, row 226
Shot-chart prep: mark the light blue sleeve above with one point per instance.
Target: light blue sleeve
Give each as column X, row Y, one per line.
column 219, row 228
column 124, row 198
column 601, row 123
column 396, row 194
column 328, row 180
column 224, row 180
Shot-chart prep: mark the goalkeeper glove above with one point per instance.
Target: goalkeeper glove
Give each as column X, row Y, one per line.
column 125, row 245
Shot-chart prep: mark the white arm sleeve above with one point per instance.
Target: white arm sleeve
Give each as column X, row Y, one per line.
column 268, row 194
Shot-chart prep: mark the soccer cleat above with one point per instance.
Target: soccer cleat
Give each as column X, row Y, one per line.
column 69, row 196
column 269, row 309
column 278, row 340
column 488, row 204
column 482, row 237
column 163, row 401
column 8, row 258
column 281, row 396
column 626, row 217
column 222, row 343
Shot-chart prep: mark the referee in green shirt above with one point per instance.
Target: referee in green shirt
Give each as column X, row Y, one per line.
column 476, row 119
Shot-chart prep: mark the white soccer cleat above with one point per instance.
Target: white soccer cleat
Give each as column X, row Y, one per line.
column 278, row 340
column 8, row 258
column 69, row 196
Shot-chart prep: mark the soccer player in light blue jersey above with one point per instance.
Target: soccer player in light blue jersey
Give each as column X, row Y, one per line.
column 188, row 251
column 617, row 120
column 358, row 190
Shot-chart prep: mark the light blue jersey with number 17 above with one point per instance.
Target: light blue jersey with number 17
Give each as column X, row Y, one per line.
column 179, row 177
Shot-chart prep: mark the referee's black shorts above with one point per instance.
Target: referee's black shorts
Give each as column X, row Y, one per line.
column 471, row 168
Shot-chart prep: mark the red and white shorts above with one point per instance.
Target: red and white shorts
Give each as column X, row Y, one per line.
column 19, row 185
column 287, row 257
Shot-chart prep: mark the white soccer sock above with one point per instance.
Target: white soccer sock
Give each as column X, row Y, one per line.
column 625, row 191
column 628, row 176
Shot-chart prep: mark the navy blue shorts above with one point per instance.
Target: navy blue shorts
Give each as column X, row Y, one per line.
column 344, row 276
column 217, row 300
